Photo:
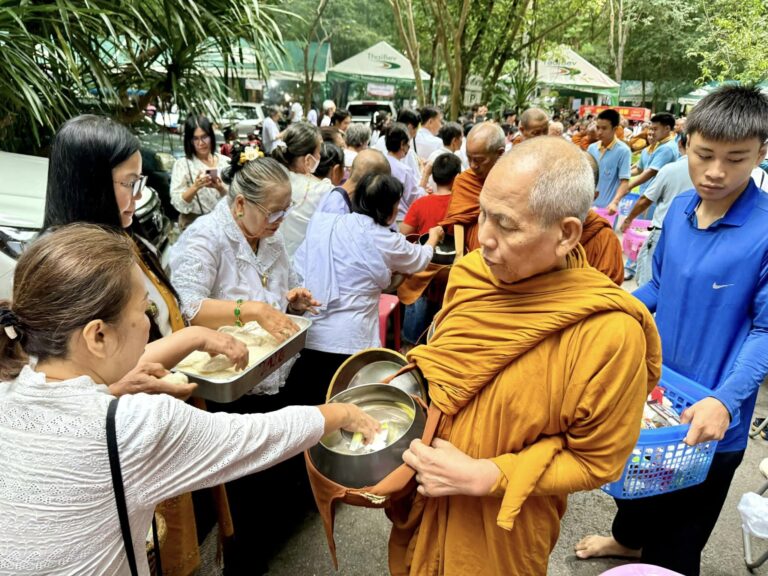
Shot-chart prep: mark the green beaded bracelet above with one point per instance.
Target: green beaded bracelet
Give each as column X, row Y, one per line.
column 238, row 321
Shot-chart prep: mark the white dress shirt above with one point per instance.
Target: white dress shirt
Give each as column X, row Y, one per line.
column 57, row 505
column 426, row 143
column 411, row 189
column 306, row 192
column 213, row 260
column 411, row 159
column 184, row 173
column 346, row 261
column 269, row 132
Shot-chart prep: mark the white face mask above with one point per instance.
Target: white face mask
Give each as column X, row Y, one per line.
column 315, row 163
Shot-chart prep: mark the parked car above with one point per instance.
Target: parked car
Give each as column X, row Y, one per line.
column 22, row 210
column 245, row 117
column 362, row 111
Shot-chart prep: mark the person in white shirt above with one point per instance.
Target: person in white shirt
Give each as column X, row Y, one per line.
column 301, row 156
column 78, row 323
column 196, row 184
column 328, row 109
column 410, row 119
column 297, row 112
column 270, row 131
column 398, row 145
column 356, row 138
column 341, row 120
column 452, row 138
column 349, row 259
column 312, row 114
column 426, row 140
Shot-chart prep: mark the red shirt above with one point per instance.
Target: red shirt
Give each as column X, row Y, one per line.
column 427, row 212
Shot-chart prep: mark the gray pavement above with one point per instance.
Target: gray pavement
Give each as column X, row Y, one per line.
column 361, row 534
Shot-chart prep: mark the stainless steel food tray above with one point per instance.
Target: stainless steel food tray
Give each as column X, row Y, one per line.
column 224, row 391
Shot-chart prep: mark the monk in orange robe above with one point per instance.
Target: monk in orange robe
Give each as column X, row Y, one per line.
column 540, row 366
column 485, row 145
column 602, row 247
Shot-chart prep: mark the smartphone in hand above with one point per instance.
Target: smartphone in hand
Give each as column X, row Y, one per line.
column 213, row 174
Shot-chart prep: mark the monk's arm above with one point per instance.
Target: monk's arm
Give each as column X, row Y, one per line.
column 610, row 380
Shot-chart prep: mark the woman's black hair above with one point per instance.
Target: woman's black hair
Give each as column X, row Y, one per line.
column 330, row 156
column 193, row 122
column 396, row 137
column 301, row 138
column 376, row 195
column 339, row 116
column 84, row 152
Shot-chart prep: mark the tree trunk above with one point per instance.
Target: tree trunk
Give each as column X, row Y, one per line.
column 406, row 28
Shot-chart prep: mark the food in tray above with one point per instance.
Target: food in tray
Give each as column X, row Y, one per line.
column 176, row 378
column 260, row 344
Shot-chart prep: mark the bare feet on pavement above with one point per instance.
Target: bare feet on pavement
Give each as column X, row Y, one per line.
column 598, row 546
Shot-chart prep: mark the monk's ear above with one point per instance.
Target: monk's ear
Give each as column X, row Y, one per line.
column 570, row 234
column 500, row 152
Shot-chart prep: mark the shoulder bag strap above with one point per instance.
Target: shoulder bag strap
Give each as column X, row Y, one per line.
column 117, row 484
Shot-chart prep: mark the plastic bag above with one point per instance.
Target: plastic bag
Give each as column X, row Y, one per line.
column 754, row 514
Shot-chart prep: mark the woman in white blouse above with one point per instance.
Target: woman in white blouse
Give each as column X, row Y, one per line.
column 300, row 154
column 79, row 307
column 232, row 263
column 346, row 261
column 196, row 183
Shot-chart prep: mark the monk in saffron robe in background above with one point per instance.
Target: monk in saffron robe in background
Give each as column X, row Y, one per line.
column 600, row 242
column 540, row 365
column 485, row 145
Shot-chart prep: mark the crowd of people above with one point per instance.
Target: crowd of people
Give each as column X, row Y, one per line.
column 539, row 361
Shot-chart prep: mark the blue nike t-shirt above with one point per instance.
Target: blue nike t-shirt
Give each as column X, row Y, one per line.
column 710, row 295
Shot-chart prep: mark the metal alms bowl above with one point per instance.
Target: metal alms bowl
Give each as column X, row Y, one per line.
column 445, row 252
column 374, row 365
column 367, row 469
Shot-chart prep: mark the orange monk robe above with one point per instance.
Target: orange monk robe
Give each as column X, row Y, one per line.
column 464, row 208
column 547, row 377
column 602, row 247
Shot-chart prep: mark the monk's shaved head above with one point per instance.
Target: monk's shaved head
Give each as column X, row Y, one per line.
column 369, row 161
column 487, row 134
column 485, row 145
column 534, row 122
column 563, row 183
column 533, row 115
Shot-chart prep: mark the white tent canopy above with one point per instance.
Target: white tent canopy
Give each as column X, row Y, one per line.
column 379, row 63
column 565, row 69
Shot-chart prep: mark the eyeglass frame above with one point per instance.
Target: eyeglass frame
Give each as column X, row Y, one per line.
column 201, row 139
column 271, row 217
column 136, row 186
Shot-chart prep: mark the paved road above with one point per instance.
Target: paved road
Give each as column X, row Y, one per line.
column 361, row 534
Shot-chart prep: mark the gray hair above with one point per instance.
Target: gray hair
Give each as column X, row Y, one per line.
column 564, row 185
column 357, row 135
column 328, row 104
column 257, row 179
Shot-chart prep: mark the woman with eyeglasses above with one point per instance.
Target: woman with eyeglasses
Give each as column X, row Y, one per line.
column 300, row 154
column 196, row 183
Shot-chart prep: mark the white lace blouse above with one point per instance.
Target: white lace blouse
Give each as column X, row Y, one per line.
column 57, row 506
column 213, row 260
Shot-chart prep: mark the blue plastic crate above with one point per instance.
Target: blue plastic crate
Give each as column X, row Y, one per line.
column 661, row 462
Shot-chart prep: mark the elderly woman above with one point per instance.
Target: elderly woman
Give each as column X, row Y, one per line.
column 78, row 307
column 231, row 266
column 350, row 259
column 196, row 184
column 301, row 156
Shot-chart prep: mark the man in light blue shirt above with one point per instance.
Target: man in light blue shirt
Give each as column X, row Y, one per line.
column 671, row 180
column 614, row 158
column 709, row 292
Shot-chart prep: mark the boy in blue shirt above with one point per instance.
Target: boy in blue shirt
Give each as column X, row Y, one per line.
column 613, row 157
column 710, row 295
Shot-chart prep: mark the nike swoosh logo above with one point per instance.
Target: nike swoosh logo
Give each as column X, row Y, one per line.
column 716, row 286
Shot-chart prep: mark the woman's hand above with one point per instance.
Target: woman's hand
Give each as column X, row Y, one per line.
column 436, row 234
column 351, row 418
column 146, row 378
column 273, row 321
column 203, row 180
column 300, row 300
column 215, row 343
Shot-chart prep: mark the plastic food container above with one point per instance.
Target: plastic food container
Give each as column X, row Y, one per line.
column 661, row 462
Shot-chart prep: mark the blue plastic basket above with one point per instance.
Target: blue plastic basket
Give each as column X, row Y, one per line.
column 661, row 462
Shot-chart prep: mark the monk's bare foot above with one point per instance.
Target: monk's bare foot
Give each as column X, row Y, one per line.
column 598, row 546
